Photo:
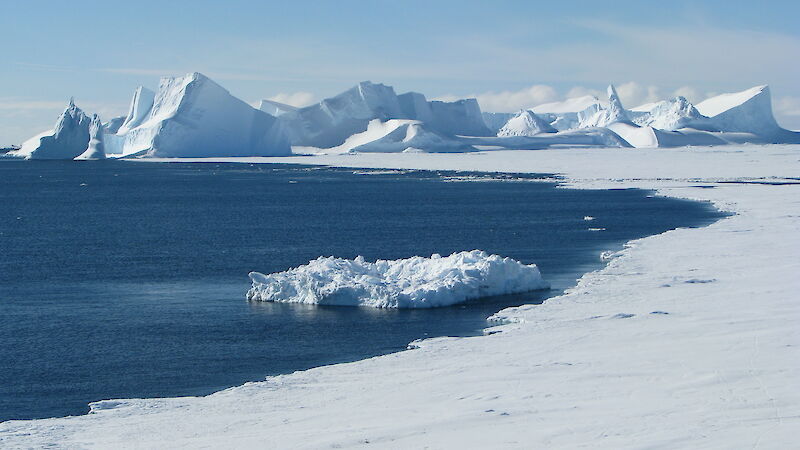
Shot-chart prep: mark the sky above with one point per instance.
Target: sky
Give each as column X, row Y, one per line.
column 508, row 54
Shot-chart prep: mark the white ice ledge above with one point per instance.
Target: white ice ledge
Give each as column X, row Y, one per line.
column 415, row 282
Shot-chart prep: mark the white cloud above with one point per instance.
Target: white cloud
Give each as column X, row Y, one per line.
column 580, row 91
column 506, row 101
column 298, row 99
column 633, row 94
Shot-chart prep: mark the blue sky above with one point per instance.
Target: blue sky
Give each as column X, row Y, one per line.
column 509, row 54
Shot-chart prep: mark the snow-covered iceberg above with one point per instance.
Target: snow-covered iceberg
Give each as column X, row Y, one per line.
column 68, row 139
column 192, row 116
column 526, row 123
column 399, row 135
column 403, row 283
column 672, row 114
column 748, row 111
column 602, row 117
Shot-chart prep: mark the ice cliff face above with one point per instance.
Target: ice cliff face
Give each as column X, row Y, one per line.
column 275, row 108
column 526, row 123
column 461, row 117
column 141, row 105
column 192, row 116
column 404, row 283
column 746, row 111
column 96, row 149
column 68, row 139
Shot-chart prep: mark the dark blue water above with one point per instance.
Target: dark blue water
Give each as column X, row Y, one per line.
column 122, row 279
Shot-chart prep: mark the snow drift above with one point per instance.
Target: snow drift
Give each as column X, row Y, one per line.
column 403, row 283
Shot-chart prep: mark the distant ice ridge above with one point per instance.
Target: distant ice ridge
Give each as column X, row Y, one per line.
column 330, row 122
column 415, row 282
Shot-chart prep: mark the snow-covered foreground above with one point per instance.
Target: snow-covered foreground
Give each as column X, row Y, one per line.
column 687, row 339
column 402, row 283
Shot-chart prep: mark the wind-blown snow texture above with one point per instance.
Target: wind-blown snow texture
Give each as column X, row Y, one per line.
column 689, row 338
column 403, row 283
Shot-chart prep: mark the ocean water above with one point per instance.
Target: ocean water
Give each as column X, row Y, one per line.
column 122, row 279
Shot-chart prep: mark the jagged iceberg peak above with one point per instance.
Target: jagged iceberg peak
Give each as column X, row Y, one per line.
column 616, row 112
column 95, row 150
column 68, row 139
column 525, row 123
column 672, row 114
column 597, row 116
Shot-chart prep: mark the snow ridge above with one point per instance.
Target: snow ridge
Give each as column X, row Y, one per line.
column 415, row 282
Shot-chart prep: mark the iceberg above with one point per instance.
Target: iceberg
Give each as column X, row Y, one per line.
column 461, row 117
column 96, row 149
column 141, row 105
column 330, row 122
column 495, row 121
column 672, row 114
column 399, row 135
column 526, row 123
column 748, row 111
column 68, row 139
column 596, row 116
column 192, row 116
column 415, row 282
column 275, row 108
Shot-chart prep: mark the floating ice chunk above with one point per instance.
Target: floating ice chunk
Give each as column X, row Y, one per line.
column 415, row 282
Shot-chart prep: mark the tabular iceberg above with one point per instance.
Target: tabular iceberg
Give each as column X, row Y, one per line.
column 403, row 283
